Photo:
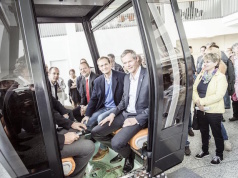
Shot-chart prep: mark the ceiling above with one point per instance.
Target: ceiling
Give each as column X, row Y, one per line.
column 66, row 8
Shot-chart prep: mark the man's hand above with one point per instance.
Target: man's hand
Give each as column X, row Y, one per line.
column 70, row 137
column 78, row 125
column 109, row 119
column 130, row 122
column 83, row 110
column 197, row 103
column 66, row 116
column 85, row 119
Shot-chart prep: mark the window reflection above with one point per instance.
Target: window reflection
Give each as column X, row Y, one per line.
column 18, row 106
column 172, row 62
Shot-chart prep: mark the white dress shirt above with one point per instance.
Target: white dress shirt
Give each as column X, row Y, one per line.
column 131, row 108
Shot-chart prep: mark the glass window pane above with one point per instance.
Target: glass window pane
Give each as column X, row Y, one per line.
column 18, row 105
column 107, row 11
column 118, row 35
column 172, row 61
column 63, row 46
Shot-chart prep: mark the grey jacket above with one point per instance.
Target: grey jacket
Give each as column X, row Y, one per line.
column 142, row 98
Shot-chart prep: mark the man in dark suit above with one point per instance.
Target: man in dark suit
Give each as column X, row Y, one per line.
column 115, row 66
column 71, row 145
column 106, row 95
column 86, row 88
column 131, row 114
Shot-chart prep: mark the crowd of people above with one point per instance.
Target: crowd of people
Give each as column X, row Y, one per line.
column 215, row 85
column 102, row 105
column 119, row 99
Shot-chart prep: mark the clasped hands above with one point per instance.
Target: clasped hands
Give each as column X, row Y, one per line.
column 70, row 137
column 199, row 105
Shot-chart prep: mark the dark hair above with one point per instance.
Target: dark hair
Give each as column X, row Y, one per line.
column 53, row 68
column 85, row 63
column 71, row 70
column 104, row 57
column 203, row 47
column 212, row 44
column 83, row 59
column 112, row 56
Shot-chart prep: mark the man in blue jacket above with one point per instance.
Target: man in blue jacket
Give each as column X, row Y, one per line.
column 131, row 114
column 106, row 95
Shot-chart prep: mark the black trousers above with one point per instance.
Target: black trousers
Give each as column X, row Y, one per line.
column 81, row 151
column 119, row 142
column 235, row 108
column 214, row 121
column 77, row 114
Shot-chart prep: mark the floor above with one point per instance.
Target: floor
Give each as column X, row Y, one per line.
column 228, row 168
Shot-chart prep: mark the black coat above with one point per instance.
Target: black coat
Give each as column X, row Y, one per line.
column 83, row 95
column 230, row 77
column 98, row 95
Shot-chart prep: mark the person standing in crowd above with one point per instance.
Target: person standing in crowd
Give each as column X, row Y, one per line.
column 115, row 66
column 131, row 115
column 193, row 63
column 208, row 92
column 200, row 59
column 73, row 93
column 79, row 78
column 234, row 99
column 53, row 78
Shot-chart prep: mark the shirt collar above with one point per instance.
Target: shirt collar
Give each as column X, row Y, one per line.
column 108, row 80
column 137, row 74
column 88, row 77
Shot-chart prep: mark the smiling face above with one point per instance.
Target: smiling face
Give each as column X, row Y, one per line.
column 104, row 66
column 84, row 69
column 54, row 75
column 209, row 65
column 72, row 74
column 130, row 63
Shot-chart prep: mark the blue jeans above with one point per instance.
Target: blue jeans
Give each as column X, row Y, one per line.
column 227, row 101
column 223, row 131
column 98, row 117
column 93, row 120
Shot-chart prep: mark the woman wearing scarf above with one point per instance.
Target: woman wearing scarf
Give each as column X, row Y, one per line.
column 208, row 91
column 74, row 97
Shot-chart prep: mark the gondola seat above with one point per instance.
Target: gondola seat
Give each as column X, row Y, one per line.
column 137, row 141
column 68, row 166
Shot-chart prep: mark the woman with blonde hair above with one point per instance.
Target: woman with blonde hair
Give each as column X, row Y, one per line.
column 208, row 91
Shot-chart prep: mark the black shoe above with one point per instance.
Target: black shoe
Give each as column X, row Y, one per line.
column 129, row 164
column 187, row 151
column 201, row 155
column 216, row 160
column 233, row 119
column 223, row 120
column 190, row 132
column 116, row 159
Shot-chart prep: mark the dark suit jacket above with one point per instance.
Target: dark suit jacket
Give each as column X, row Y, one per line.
column 118, row 67
column 98, row 96
column 78, row 83
column 49, row 84
column 93, row 76
column 142, row 98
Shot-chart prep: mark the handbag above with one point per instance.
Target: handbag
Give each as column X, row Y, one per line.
column 195, row 124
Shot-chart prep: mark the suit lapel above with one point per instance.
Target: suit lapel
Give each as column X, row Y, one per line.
column 127, row 89
column 114, row 83
column 140, row 81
